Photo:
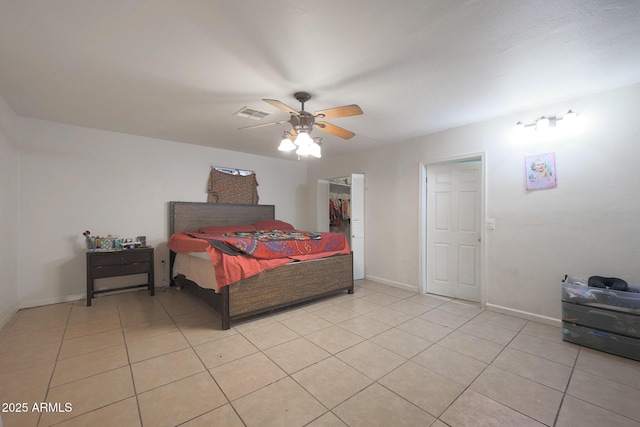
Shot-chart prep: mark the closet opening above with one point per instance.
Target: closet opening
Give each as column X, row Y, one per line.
column 341, row 210
column 340, row 206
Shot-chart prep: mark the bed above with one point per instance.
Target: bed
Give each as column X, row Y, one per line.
column 283, row 286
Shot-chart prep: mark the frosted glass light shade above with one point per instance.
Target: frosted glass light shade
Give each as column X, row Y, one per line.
column 304, row 150
column 286, row 145
column 303, row 138
column 315, row 150
column 570, row 116
column 543, row 123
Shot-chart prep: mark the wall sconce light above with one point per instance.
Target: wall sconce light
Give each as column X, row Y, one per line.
column 570, row 116
column 544, row 123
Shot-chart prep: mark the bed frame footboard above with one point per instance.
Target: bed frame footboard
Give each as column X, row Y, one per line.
column 290, row 284
column 285, row 286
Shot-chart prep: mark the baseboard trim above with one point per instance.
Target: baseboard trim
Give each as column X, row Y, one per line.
column 392, row 283
column 524, row 315
column 8, row 314
column 49, row 301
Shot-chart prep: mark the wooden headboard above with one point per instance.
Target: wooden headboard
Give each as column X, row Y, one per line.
column 186, row 216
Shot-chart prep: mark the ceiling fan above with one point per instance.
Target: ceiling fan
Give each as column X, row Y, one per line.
column 303, row 121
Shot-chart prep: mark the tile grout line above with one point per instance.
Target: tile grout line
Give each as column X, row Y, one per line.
column 126, row 349
column 205, row 370
column 55, row 363
column 373, row 381
column 566, row 388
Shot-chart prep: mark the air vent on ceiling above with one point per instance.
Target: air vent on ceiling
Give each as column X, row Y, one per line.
column 251, row 113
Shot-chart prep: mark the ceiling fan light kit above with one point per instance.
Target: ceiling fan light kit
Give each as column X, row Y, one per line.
column 302, row 123
column 286, row 144
column 303, row 139
column 315, row 149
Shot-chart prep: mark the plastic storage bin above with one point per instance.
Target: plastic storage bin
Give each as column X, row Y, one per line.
column 602, row 319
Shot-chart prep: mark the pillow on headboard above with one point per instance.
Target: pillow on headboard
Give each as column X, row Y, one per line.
column 272, row 224
column 220, row 229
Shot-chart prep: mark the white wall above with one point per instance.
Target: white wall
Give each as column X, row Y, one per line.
column 8, row 214
column 73, row 179
column 587, row 226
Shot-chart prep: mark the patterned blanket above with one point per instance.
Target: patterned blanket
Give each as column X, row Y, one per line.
column 240, row 265
column 276, row 243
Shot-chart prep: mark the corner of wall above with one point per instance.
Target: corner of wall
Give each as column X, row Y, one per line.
column 7, row 314
column 9, row 218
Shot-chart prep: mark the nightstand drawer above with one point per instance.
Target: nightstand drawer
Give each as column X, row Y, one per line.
column 119, row 270
column 123, row 257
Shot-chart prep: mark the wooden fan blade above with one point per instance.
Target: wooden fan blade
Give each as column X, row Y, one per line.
column 344, row 111
column 279, row 105
column 265, row 124
column 335, row 130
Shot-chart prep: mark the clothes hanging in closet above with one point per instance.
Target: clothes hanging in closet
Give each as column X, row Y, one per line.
column 339, row 210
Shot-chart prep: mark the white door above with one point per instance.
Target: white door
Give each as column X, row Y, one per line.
column 357, row 224
column 453, row 230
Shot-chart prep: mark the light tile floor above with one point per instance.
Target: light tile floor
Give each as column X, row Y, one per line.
column 380, row 357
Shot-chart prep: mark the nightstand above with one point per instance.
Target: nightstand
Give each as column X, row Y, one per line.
column 119, row 263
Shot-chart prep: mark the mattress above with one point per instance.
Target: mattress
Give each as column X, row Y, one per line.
column 197, row 267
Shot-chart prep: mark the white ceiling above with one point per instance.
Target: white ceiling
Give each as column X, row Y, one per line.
column 179, row 69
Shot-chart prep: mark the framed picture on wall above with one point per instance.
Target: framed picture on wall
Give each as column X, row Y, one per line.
column 540, row 171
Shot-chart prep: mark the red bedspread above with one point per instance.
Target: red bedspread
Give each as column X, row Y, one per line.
column 271, row 254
